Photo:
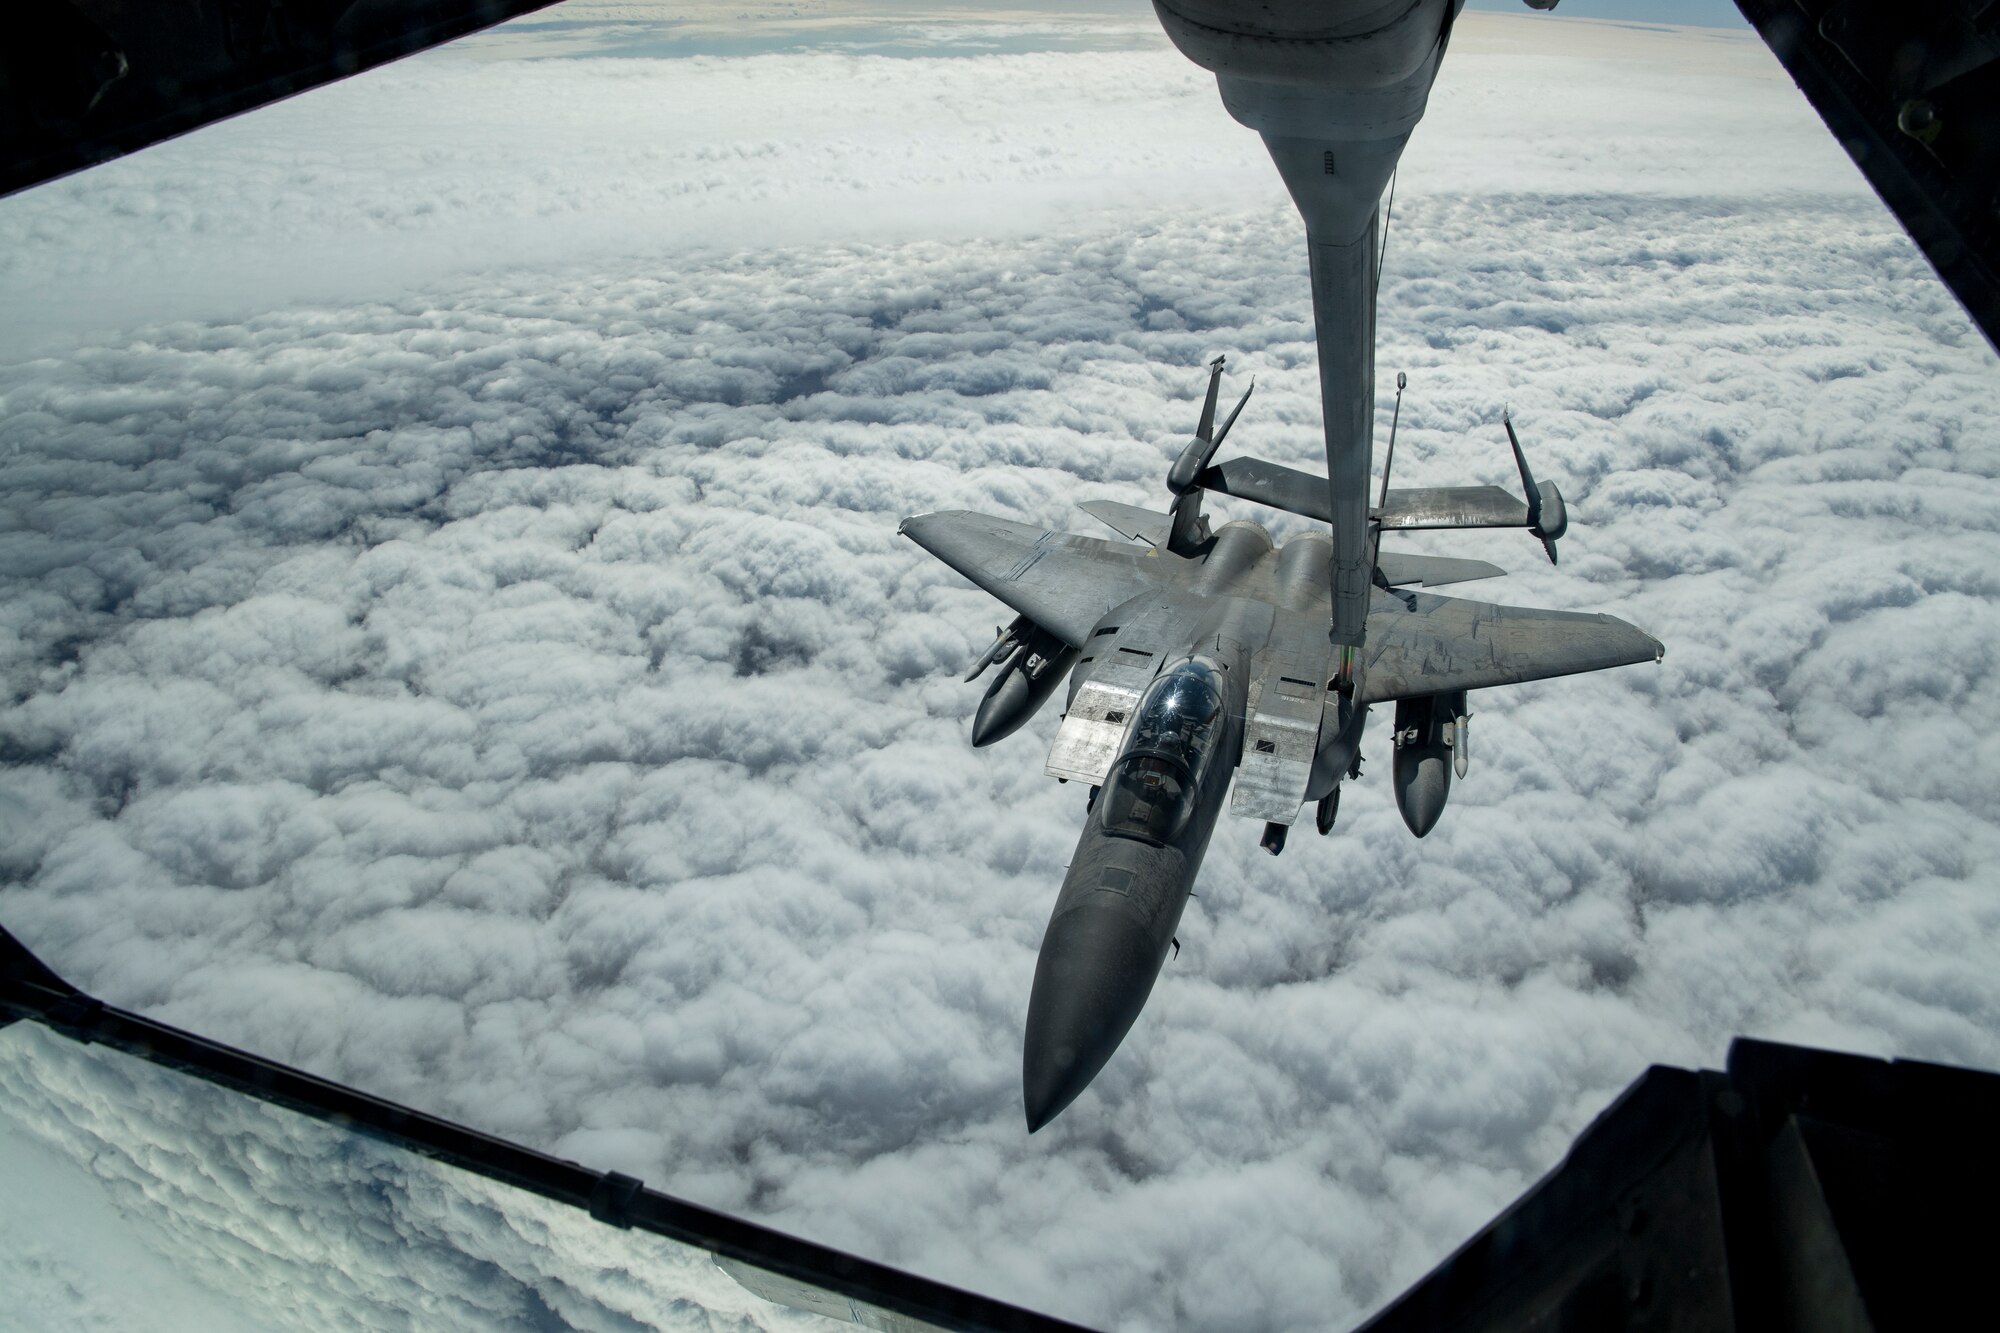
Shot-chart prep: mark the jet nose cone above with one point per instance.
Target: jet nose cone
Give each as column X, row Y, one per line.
column 1097, row 967
column 1043, row 1094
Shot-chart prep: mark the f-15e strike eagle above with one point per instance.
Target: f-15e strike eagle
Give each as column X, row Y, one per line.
column 1198, row 656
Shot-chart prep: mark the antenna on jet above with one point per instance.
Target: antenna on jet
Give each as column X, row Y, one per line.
column 1389, row 455
column 1388, row 461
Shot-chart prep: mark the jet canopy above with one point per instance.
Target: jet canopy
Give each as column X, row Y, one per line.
column 1153, row 788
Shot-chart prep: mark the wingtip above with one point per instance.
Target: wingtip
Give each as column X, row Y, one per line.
column 914, row 525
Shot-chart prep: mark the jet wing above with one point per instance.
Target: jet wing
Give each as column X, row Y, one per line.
column 1141, row 525
column 1421, row 644
column 1432, row 570
column 1063, row 583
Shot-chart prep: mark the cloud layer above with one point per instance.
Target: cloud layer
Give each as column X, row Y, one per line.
column 529, row 156
column 300, row 1224
column 510, row 695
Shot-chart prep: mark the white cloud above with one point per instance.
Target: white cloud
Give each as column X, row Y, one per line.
column 547, row 161
column 508, row 692
column 303, row 1226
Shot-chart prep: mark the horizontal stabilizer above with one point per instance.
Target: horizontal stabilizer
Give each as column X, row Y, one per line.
column 1432, row 571
column 1141, row 525
column 1271, row 484
column 1302, row 493
column 1420, row 644
column 1453, row 507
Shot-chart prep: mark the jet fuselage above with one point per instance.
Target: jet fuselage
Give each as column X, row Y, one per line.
column 1149, row 824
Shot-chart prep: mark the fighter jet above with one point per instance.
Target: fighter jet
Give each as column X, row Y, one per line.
column 1200, row 668
column 1206, row 664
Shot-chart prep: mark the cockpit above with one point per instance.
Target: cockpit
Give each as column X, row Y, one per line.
column 1153, row 788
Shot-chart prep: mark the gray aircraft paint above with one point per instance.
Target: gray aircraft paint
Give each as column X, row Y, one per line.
column 1124, row 613
column 1335, row 88
column 1299, row 640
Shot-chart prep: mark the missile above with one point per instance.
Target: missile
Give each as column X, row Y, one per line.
column 1004, row 640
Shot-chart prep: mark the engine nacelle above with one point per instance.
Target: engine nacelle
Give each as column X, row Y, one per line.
column 1428, row 730
column 1022, row 687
